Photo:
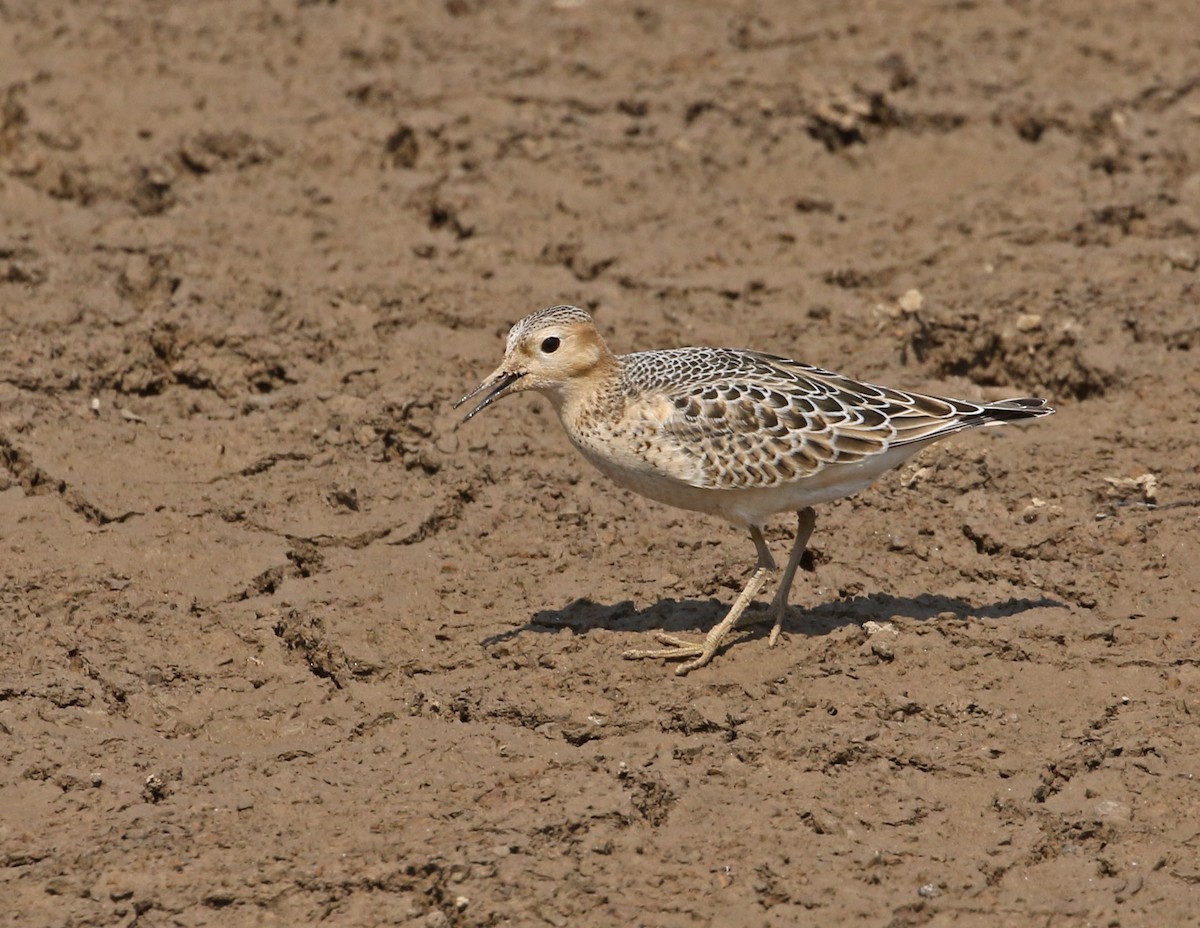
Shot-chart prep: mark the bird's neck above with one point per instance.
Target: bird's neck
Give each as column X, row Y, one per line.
column 595, row 396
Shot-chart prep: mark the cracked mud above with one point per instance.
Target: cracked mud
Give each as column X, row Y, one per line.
column 281, row 643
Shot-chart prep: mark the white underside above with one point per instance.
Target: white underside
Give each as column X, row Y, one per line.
column 754, row 505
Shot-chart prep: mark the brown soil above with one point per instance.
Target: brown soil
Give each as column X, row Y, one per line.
column 280, row 644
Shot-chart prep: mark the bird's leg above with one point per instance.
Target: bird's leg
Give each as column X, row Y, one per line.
column 804, row 529
column 702, row 651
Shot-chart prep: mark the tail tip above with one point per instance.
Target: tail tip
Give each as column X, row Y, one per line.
column 1021, row 407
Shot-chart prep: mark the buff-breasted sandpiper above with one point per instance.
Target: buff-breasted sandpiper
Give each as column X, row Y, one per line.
column 738, row 434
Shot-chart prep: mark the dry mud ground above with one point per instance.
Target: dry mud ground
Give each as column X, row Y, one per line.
column 280, row 645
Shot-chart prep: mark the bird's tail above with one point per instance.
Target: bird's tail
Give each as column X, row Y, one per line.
column 1022, row 407
column 935, row 417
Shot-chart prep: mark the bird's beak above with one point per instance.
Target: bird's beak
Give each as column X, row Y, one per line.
column 497, row 385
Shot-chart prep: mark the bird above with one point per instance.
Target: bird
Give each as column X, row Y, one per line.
column 735, row 433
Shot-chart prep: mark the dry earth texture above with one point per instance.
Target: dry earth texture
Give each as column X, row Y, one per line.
column 281, row 644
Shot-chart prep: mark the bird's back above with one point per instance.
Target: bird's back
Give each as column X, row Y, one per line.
column 725, row 418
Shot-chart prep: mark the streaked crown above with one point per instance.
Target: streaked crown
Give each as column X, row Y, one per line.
column 544, row 318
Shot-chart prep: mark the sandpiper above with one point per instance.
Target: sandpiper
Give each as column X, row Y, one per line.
column 739, row 434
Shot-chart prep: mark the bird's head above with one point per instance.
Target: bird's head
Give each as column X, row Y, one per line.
column 550, row 351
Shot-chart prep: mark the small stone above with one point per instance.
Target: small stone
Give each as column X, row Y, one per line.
column 912, row 301
column 1144, row 484
column 1183, row 258
column 341, row 496
column 1112, row 811
column 1029, row 322
column 155, row 788
column 883, row 650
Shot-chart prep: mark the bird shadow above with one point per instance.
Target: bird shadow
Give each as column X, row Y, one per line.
column 698, row 616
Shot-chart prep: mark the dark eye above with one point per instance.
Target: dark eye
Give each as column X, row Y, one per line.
column 550, row 345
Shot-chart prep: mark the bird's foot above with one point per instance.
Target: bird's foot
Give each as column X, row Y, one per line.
column 678, row 648
column 702, row 652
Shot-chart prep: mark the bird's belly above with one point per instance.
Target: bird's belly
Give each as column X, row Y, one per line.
column 746, row 506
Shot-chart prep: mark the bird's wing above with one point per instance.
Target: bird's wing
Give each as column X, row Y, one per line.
column 728, row 418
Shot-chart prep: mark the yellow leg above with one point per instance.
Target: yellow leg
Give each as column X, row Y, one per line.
column 807, row 519
column 703, row 651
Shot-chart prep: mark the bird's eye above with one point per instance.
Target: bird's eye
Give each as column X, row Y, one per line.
column 550, row 345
